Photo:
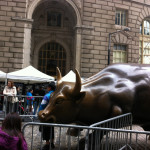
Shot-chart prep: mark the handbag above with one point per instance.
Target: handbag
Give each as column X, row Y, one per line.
column 14, row 99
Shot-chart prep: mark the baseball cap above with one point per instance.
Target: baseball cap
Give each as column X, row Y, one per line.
column 52, row 85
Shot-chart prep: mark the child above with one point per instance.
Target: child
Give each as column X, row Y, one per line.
column 30, row 100
column 11, row 137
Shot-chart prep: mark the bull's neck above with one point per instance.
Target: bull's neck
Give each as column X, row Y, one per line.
column 81, row 114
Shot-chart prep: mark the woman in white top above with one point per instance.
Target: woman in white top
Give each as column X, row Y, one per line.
column 10, row 91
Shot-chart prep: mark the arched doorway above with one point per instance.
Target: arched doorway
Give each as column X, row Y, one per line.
column 52, row 55
column 58, row 21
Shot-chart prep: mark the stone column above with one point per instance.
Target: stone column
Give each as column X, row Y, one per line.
column 78, row 48
column 27, row 45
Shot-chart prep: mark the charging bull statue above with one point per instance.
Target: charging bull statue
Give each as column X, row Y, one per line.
column 117, row 89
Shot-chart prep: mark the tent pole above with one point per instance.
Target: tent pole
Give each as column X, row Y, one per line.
column 6, row 80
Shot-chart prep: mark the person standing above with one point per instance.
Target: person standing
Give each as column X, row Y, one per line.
column 10, row 92
column 11, row 137
column 48, row 132
column 41, row 92
column 38, row 92
column 19, row 105
column 1, row 100
column 30, row 100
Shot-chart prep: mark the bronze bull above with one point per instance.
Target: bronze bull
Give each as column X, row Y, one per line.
column 117, row 89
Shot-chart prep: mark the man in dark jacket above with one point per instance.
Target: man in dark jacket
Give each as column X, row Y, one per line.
column 48, row 132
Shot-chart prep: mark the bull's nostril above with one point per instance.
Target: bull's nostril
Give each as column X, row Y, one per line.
column 43, row 115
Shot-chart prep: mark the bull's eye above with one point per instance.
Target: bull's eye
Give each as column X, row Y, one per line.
column 59, row 101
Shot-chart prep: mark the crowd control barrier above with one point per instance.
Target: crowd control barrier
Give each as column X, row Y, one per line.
column 123, row 122
column 94, row 137
column 23, row 105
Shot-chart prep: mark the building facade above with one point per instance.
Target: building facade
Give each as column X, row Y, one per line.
column 73, row 34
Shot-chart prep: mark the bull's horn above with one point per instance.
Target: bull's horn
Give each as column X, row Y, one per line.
column 77, row 87
column 58, row 77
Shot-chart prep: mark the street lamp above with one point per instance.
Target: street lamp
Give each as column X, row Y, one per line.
column 109, row 41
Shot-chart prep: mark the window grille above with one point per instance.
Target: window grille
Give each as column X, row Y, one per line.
column 145, row 53
column 120, row 18
column 52, row 55
column 120, row 53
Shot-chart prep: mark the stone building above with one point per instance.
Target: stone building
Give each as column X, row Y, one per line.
column 73, row 34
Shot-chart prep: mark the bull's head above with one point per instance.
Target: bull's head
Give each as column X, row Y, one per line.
column 63, row 105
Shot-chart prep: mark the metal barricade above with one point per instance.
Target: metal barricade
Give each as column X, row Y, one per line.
column 122, row 121
column 98, row 138
column 62, row 137
column 22, row 105
column 118, row 139
column 1, row 119
column 28, row 118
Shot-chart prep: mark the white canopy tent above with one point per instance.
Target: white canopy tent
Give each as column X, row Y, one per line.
column 70, row 77
column 2, row 76
column 29, row 75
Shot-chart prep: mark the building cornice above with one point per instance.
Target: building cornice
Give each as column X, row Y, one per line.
column 84, row 27
column 20, row 19
column 145, row 2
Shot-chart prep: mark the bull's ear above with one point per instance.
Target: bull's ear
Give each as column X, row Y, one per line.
column 59, row 77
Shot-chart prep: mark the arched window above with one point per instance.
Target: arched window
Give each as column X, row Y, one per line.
column 144, row 45
column 145, row 27
column 52, row 55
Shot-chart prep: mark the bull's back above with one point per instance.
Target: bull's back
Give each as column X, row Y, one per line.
column 116, row 72
column 128, row 86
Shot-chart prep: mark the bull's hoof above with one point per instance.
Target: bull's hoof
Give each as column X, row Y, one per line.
column 73, row 132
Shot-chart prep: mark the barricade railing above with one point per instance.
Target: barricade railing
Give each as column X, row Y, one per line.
column 1, row 119
column 122, row 121
column 62, row 136
column 22, row 104
column 98, row 138
column 28, row 118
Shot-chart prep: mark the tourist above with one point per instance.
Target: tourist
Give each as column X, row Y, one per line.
column 11, row 137
column 20, row 101
column 48, row 132
column 10, row 92
column 41, row 92
column 1, row 100
column 38, row 92
column 16, row 105
column 30, row 101
column 36, row 100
